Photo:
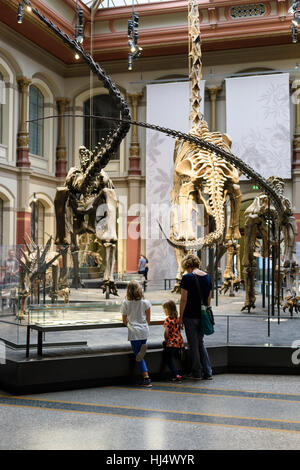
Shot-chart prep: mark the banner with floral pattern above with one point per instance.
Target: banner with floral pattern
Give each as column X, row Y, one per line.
column 258, row 122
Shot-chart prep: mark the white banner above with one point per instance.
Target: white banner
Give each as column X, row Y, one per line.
column 168, row 105
column 258, row 122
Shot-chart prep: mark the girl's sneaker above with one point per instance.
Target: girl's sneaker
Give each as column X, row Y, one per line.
column 146, row 382
column 177, row 379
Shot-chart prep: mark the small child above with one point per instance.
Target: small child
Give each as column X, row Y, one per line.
column 173, row 338
column 136, row 316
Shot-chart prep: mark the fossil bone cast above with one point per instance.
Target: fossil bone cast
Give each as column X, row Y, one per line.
column 97, row 203
column 257, row 220
column 39, row 267
column 203, row 177
column 220, row 153
column 79, row 194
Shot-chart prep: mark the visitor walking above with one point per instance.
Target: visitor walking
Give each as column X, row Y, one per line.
column 143, row 266
column 136, row 316
column 190, row 311
column 173, row 339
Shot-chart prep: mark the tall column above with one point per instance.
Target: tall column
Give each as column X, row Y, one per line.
column 134, row 192
column 23, row 214
column 134, row 151
column 61, row 150
column 23, row 135
column 213, row 91
column 296, row 163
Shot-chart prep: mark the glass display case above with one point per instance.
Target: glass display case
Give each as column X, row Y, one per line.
column 75, row 313
column 36, row 288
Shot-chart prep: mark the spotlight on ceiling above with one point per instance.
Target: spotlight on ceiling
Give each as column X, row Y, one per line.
column 294, row 33
column 133, row 35
column 293, row 8
column 79, row 38
column 20, row 13
column 132, row 46
column 130, row 62
column 135, row 19
column 79, row 20
column 296, row 19
column 295, row 22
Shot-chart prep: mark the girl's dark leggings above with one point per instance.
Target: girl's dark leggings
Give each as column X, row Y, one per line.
column 170, row 354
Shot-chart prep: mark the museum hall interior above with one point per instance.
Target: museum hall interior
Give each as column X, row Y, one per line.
column 149, row 227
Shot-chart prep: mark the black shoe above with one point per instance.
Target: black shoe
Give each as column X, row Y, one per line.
column 146, row 382
column 207, row 377
column 177, row 379
column 192, row 376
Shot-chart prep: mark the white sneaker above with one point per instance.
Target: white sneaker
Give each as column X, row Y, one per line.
column 140, row 355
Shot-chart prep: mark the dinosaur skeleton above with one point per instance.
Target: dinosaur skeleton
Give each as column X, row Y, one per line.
column 98, row 203
column 40, row 267
column 124, row 122
column 201, row 176
column 81, row 203
column 262, row 222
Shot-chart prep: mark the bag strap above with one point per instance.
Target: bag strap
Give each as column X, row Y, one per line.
column 198, row 289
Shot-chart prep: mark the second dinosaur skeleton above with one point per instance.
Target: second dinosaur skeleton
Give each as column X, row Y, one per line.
column 260, row 216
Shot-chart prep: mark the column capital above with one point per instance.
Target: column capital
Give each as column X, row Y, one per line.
column 23, row 83
column 134, row 98
column 213, row 91
column 61, row 103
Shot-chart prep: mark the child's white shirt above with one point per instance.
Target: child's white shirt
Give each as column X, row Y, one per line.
column 137, row 325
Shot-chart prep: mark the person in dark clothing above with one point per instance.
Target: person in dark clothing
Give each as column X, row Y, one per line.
column 143, row 267
column 190, row 311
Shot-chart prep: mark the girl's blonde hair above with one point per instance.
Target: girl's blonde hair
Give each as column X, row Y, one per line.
column 171, row 309
column 134, row 291
column 190, row 261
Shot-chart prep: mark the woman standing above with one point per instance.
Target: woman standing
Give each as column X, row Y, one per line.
column 190, row 311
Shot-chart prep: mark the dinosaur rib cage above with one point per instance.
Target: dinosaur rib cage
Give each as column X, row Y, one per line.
column 114, row 140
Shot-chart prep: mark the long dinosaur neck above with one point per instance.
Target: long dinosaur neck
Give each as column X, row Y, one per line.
column 195, row 65
column 112, row 142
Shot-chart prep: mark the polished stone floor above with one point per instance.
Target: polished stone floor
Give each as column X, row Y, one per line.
column 231, row 412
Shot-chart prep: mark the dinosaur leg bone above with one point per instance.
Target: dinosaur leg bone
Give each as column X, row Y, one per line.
column 186, row 198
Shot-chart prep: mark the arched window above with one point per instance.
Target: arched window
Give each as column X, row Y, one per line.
column 2, row 95
column 96, row 129
column 36, row 129
column 38, row 222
